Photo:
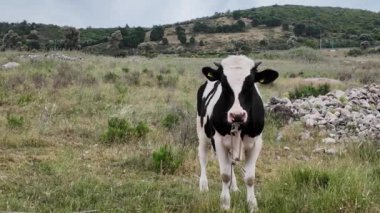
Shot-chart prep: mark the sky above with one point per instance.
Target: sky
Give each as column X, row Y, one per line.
column 145, row 13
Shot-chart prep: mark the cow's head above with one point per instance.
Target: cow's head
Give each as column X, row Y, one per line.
column 238, row 75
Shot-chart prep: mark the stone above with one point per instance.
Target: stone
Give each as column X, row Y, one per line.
column 10, row 65
column 331, row 151
column 286, row 148
column 310, row 123
column 319, row 150
column 328, row 140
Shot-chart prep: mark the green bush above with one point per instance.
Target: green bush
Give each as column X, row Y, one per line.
column 14, row 121
column 309, row 90
column 170, row 120
column 141, row 129
column 119, row 130
column 110, row 77
column 165, row 161
column 355, row 52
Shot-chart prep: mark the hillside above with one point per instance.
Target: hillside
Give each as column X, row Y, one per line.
column 272, row 27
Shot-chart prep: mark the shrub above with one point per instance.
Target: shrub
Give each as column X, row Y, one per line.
column 354, row 52
column 133, row 78
column 14, row 121
column 165, row 161
column 141, row 129
column 39, row 80
column 170, row 120
column 65, row 76
column 309, row 90
column 157, row 33
column 24, row 99
column 119, row 129
column 165, row 41
column 110, row 77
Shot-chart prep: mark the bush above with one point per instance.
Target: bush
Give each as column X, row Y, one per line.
column 110, row 77
column 119, row 129
column 309, row 90
column 14, row 121
column 170, row 120
column 165, row 161
column 157, row 33
column 354, row 52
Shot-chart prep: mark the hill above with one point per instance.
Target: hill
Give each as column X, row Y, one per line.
column 272, row 27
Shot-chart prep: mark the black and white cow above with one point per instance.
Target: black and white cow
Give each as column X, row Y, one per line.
column 231, row 96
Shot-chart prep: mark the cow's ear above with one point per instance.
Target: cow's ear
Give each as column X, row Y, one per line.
column 266, row 76
column 211, row 74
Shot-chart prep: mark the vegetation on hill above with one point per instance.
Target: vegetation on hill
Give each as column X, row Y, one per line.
column 263, row 28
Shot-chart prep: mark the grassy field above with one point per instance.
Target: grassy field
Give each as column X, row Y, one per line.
column 118, row 135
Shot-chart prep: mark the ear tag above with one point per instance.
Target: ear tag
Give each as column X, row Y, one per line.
column 210, row 75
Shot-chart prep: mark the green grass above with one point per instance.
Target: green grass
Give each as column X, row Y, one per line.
column 61, row 151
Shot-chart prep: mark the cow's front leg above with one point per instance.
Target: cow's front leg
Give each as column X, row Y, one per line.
column 225, row 171
column 202, row 154
column 252, row 151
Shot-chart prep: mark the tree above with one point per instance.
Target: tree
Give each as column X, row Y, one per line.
column 236, row 14
column 181, row 35
column 133, row 37
column 32, row 41
column 165, row 41
column 11, row 40
column 285, row 27
column 272, row 22
column 157, row 33
column 71, row 41
column 192, row 40
column 299, row 29
column 116, row 38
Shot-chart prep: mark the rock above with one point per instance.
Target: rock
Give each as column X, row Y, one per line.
column 10, row 65
column 310, row 123
column 305, row 135
column 331, row 151
column 319, row 150
column 328, row 140
column 286, row 148
column 279, row 136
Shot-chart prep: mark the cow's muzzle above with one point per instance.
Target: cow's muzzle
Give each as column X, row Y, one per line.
column 240, row 117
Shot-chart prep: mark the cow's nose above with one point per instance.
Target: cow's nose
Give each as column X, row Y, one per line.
column 238, row 117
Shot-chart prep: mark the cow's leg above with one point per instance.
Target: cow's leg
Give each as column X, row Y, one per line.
column 234, row 186
column 252, row 151
column 225, row 171
column 202, row 154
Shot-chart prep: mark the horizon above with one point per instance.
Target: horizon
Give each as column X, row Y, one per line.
column 80, row 20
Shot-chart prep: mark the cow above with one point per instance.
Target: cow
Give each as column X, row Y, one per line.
column 231, row 117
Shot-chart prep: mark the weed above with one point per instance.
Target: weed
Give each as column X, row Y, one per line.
column 125, row 69
column 165, row 160
column 39, row 80
column 141, row 129
column 170, row 120
column 110, row 77
column 25, row 99
column 65, row 76
column 119, row 130
column 309, row 90
column 133, row 78
column 14, row 121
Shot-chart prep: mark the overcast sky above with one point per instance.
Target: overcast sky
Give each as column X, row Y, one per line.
column 113, row 13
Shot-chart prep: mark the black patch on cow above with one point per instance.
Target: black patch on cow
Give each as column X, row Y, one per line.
column 203, row 102
column 199, row 98
column 224, row 103
column 251, row 101
column 266, row 76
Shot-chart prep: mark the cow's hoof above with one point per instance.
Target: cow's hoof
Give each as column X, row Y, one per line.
column 234, row 189
column 225, row 202
column 252, row 205
column 203, row 185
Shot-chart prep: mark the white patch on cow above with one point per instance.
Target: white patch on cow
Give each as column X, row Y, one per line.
column 236, row 69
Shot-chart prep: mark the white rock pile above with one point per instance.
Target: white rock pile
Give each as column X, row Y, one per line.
column 350, row 115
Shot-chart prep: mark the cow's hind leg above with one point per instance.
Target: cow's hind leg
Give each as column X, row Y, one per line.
column 251, row 153
column 202, row 154
column 234, row 187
